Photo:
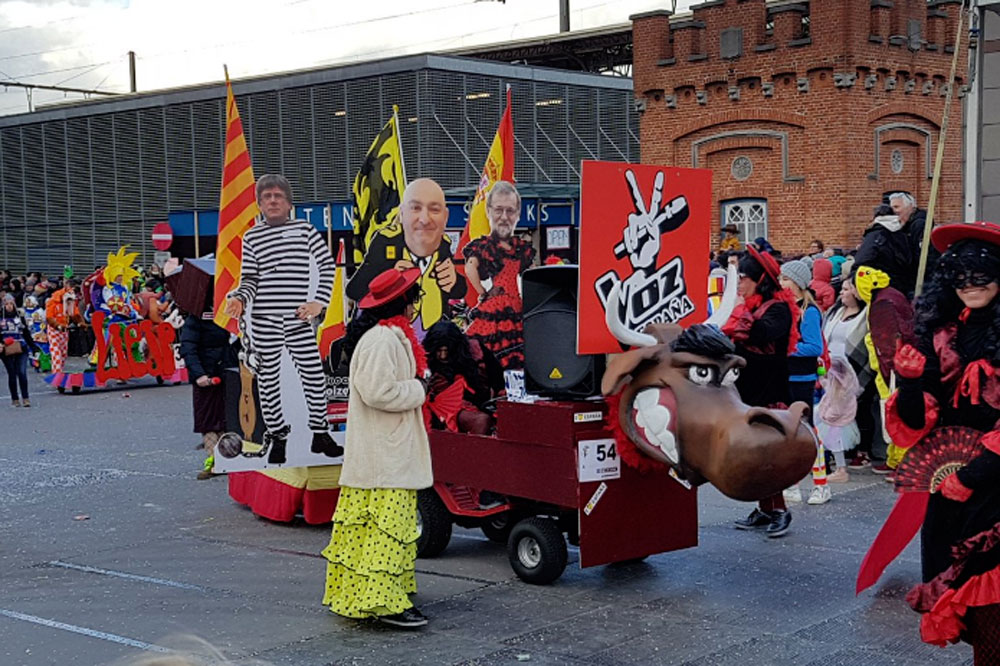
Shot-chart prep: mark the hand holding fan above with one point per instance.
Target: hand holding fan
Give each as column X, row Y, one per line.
column 940, row 454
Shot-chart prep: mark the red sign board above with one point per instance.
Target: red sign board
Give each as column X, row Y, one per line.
column 644, row 233
column 163, row 235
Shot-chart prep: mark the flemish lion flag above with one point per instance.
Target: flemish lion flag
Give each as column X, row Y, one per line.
column 334, row 324
column 237, row 210
column 378, row 187
column 499, row 166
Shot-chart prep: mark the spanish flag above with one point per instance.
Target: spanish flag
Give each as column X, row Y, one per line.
column 334, row 323
column 499, row 166
column 378, row 187
column 237, row 210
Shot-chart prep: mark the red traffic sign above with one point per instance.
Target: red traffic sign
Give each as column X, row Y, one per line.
column 163, row 235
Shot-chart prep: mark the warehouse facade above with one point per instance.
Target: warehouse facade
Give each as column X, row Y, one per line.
column 80, row 180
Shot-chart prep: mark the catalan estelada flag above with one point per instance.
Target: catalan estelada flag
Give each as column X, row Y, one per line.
column 378, row 187
column 499, row 166
column 334, row 324
column 237, row 210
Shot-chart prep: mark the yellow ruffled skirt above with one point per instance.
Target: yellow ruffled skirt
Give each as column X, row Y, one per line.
column 372, row 552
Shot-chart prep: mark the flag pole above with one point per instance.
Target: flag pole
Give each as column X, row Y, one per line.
column 328, row 221
column 939, row 158
column 399, row 141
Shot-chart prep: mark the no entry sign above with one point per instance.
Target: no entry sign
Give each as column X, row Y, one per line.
column 163, row 235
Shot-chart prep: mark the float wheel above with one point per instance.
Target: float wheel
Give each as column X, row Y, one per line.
column 433, row 524
column 497, row 527
column 537, row 550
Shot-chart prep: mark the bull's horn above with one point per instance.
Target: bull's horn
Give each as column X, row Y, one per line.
column 728, row 303
column 623, row 333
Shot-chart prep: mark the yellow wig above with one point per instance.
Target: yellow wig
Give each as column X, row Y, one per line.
column 120, row 265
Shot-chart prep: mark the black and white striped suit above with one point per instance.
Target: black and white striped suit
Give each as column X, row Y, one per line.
column 274, row 281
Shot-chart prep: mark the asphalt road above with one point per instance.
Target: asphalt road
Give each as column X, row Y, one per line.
column 110, row 549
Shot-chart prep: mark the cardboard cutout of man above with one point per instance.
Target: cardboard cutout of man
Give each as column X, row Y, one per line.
column 420, row 243
column 493, row 265
column 275, row 284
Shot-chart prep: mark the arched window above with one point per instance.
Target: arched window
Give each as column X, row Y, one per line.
column 749, row 216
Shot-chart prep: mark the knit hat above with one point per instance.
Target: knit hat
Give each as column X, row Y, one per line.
column 798, row 272
column 808, row 261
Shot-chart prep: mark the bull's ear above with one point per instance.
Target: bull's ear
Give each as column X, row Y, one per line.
column 664, row 333
column 620, row 366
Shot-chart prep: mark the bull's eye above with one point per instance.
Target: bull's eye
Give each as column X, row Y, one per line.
column 731, row 377
column 702, row 375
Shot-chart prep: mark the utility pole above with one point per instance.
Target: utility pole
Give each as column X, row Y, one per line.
column 131, row 71
column 563, row 15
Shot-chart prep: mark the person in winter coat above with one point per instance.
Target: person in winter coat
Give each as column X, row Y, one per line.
column 372, row 550
column 893, row 240
column 822, row 273
column 14, row 334
column 950, row 378
column 844, row 329
column 207, row 352
column 763, row 330
column 803, row 362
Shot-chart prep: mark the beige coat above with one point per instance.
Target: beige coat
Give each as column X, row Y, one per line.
column 387, row 443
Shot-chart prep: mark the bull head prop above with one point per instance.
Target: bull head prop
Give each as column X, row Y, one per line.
column 678, row 405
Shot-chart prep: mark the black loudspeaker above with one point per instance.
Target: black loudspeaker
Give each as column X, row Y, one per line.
column 551, row 365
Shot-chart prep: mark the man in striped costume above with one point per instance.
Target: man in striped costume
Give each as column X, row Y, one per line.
column 275, row 283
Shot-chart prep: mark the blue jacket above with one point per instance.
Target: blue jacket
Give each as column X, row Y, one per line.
column 802, row 362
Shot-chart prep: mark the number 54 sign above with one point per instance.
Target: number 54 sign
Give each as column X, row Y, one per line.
column 598, row 460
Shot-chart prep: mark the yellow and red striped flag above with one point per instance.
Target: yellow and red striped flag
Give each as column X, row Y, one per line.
column 237, row 210
column 499, row 166
column 334, row 325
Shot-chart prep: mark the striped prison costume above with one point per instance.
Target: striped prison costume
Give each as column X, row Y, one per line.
column 274, row 281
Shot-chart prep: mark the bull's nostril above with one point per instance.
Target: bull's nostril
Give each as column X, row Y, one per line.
column 766, row 419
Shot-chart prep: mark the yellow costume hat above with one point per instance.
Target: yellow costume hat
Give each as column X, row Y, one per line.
column 120, row 264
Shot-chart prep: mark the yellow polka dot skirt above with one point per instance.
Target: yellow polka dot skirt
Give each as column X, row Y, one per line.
column 372, row 552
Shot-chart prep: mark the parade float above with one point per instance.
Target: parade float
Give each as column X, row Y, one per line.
column 127, row 347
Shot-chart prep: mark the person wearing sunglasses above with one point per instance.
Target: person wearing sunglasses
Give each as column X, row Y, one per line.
column 951, row 377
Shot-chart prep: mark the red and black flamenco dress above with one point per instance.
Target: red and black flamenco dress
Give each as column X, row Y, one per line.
column 497, row 320
column 960, row 541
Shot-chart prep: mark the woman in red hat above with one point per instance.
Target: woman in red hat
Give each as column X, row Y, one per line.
column 370, row 570
column 951, row 378
column 763, row 331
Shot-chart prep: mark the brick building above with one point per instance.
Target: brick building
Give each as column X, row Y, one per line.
column 806, row 112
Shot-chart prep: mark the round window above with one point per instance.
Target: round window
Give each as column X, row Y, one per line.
column 742, row 167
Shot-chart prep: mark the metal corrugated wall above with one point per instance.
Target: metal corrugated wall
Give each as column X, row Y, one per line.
column 72, row 190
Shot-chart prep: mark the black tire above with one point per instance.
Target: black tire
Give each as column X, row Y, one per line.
column 434, row 522
column 160, row 381
column 537, row 550
column 498, row 526
column 61, row 389
column 75, row 390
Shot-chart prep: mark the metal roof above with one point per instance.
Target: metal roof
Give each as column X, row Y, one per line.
column 316, row 76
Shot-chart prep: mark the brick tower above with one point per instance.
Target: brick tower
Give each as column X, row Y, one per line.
column 806, row 112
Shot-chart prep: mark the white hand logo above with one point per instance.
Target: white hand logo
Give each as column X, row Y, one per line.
column 642, row 235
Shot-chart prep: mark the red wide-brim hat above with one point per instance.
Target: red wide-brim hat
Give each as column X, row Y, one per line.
column 947, row 235
column 766, row 261
column 388, row 286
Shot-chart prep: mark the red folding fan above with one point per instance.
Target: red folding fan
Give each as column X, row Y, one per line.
column 941, row 453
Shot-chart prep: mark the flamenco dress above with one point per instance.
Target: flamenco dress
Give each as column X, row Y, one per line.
column 497, row 320
column 960, row 541
column 372, row 551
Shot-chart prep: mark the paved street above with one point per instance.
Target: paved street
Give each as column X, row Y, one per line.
column 163, row 555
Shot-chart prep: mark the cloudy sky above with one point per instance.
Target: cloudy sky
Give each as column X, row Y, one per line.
column 83, row 43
